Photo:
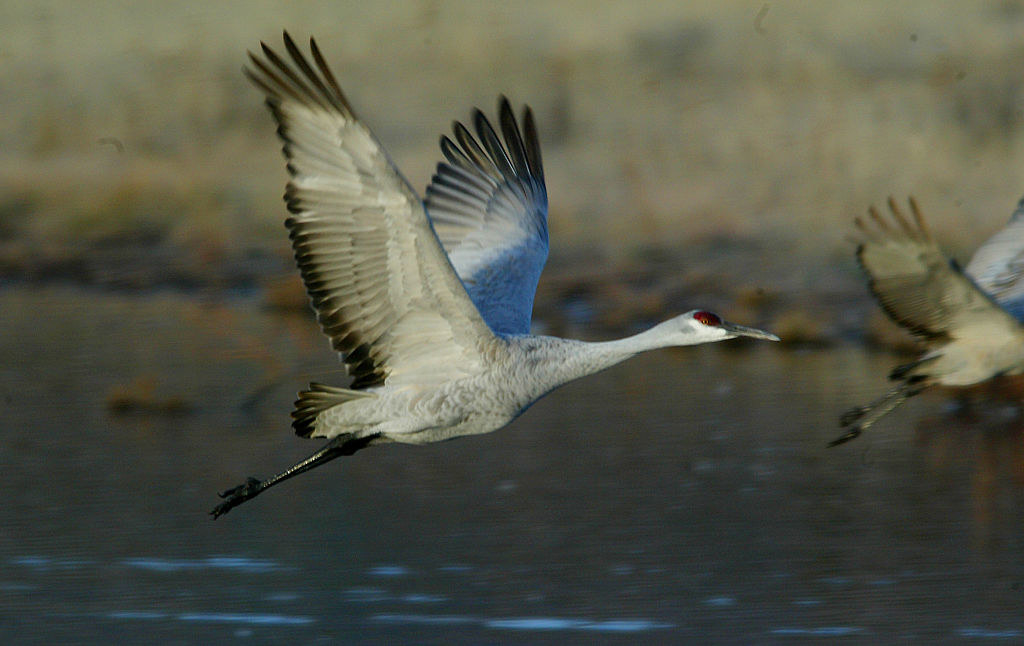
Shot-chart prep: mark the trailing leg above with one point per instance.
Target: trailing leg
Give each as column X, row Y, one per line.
column 857, row 420
column 337, row 447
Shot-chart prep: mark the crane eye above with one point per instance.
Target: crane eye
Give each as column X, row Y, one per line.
column 707, row 318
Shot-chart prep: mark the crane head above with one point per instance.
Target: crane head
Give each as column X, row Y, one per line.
column 701, row 326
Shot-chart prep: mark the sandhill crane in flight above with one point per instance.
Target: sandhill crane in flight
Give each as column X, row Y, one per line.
column 969, row 320
column 428, row 302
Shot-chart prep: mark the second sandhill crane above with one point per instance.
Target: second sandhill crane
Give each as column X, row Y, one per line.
column 969, row 319
column 428, row 302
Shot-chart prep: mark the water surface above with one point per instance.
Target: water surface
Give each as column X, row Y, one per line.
column 684, row 495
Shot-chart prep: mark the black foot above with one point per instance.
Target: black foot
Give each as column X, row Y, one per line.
column 236, row 496
column 852, row 415
column 846, row 437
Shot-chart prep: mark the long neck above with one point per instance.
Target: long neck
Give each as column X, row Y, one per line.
column 558, row 361
column 605, row 354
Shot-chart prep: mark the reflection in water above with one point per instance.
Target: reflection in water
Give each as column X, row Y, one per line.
column 217, row 618
column 239, row 563
column 685, row 496
column 985, row 425
column 825, row 631
column 543, row 624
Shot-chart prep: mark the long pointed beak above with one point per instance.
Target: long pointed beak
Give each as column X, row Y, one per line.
column 753, row 333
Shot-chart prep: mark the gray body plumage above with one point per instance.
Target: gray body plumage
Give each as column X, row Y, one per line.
column 521, row 369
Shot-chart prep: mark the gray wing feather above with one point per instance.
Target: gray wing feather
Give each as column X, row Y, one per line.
column 998, row 265
column 917, row 285
column 379, row 281
column 488, row 204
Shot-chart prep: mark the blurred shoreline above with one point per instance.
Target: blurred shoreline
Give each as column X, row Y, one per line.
column 698, row 155
column 582, row 293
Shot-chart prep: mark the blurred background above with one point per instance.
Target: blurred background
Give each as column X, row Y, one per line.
column 698, row 154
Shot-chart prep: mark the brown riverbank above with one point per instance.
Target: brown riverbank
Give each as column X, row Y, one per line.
column 697, row 155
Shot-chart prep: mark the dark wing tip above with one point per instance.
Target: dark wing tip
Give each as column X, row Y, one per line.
column 489, row 138
column 532, row 141
column 513, row 139
column 297, row 79
column 474, row 152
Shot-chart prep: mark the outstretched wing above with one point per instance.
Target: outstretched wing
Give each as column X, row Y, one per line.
column 489, row 207
column 998, row 265
column 918, row 286
column 379, row 281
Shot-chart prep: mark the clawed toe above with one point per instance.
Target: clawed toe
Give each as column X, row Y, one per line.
column 852, row 415
column 846, row 437
column 849, row 418
column 236, row 496
column 249, row 483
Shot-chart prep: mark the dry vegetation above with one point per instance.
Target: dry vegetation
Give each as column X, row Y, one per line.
column 726, row 145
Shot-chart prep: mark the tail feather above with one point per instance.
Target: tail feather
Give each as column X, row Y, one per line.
column 857, row 420
column 316, row 400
